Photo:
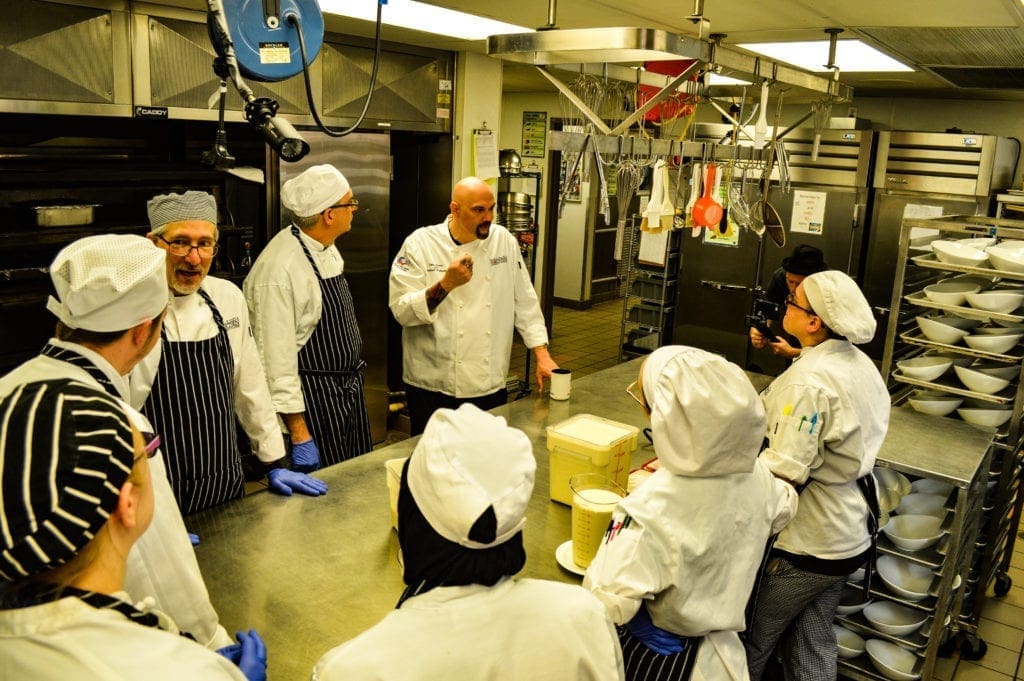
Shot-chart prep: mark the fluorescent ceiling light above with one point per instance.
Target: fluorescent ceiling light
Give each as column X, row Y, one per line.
column 718, row 79
column 420, row 16
column 851, row 55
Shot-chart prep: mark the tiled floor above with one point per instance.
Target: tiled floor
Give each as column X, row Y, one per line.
column 587, row 341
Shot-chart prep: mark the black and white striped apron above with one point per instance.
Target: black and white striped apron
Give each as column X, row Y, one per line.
column 82, row 362
column 642, row 663
column 330, row 370
column 192, row 407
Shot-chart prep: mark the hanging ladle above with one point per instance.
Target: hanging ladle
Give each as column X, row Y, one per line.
column 706, row 211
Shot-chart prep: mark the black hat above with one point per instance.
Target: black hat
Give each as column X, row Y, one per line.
column 805, row 260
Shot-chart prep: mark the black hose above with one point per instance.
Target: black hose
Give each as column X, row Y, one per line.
column 294, row 19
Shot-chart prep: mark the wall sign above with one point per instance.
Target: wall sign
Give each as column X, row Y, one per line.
column 535, row 132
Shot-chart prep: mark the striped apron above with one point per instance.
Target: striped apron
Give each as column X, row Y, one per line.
column 330, row 370
column 192, row 407
column 642, row 663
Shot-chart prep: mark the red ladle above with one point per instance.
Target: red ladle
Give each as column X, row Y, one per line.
column 706, row 211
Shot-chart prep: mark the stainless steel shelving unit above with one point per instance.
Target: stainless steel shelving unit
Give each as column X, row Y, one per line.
column 648, row 307
column 1000, row 495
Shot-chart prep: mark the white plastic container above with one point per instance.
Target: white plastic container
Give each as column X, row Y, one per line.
column 589, row 444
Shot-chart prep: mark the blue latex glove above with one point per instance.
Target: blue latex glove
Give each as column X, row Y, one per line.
column 284, row 481
column 194, row 538
column 305, row 456
column 658, row 640
column 253, row 658
column 233, row 652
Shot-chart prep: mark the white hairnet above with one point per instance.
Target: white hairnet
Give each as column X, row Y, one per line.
column 706, row 418
column 109, row 282
column 466, row 461
column 314, row 190
column 837, row 299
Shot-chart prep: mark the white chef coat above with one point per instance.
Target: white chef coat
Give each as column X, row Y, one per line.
column 525, row 629
column 462, row 348
column 690, row 551
column 189, row 319
column 162, row 563
column 69, row 639
column 827, row 417
column 285, row 304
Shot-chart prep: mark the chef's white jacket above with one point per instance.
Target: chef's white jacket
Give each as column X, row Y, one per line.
column 690, row 550
column 827, row 417
column 162, row 563
column 524, row 629
column 462, row 348
column 285, row 305
column 189, row 318
column 69, row 639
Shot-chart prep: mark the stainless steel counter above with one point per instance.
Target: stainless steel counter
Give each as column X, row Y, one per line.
column 310, row 573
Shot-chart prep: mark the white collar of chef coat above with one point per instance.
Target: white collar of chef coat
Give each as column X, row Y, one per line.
column 313, row 243
column 440, row 595
column 119, row 381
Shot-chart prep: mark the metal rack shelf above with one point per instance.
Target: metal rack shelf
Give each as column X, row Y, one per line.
column 649, row 318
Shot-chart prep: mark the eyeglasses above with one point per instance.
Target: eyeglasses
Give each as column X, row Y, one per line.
column 152, row 444
column 633, row 390
column 789, row 301
column 181, row 247
column 354, row 203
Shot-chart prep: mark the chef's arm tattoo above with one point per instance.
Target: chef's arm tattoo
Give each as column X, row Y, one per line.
column 435, row 294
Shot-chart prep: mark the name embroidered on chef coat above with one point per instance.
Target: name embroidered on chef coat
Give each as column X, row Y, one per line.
column 435, row 267
column 499, row 260
column 232, row 323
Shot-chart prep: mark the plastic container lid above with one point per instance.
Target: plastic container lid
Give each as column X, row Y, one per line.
column 592, row 435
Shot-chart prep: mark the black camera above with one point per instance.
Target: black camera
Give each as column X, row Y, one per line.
column 763, row 311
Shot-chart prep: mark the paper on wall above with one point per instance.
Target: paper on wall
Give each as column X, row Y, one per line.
column 485, row 155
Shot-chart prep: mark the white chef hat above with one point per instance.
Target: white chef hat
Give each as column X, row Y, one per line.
column 466, row 462
column 314, row 190
column 706, row 418
column 837, row 299
column 108, row 282
column 192, row 205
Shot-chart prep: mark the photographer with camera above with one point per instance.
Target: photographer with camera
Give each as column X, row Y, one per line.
column 766, row 321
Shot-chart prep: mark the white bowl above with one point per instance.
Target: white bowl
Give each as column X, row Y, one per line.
column 913, row 532
column 950, row 292
column 994, row 344
column 939, row 405
column 995, row 301
column 852, row 600
column 983, row 282
column 848, row 643
column 856, row 576
column 1014, row 326
column 938, row 332
column 906, row 579
column 957, row 360
column 924, row 368
column 1006, row 258
column 920, row 503
column 1011, row 244
column 987, row 418
column 980, row 242
column 1007, row 371
column 893, row 661
column 996, row 330
column 894, row 619
column 958, row 253
column 892, row 480
column 981, row 382
column 930, row 486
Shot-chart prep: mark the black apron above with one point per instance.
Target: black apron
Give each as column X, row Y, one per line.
column 640, row 662
column 330, row 370
column 192, row 407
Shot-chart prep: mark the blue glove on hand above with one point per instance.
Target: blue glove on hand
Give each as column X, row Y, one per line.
column 305, row 456
column 253, row 658
column 658, row 640
column 194, row 538
column 233, row 652
column 284, row 481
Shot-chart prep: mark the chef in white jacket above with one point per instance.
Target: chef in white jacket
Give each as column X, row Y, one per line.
column 77, row 494
column 459, row 289
column 461, row 511
column 111, row 297
column 206, row 371
column 682, row 551
column 827, row 417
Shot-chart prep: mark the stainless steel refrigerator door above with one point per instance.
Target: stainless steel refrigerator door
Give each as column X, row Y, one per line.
column 365, row 160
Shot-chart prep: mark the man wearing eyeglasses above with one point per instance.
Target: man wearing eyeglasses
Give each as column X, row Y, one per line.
column 206, row 369
column 111, row 298
column 827, row 417
column 305, row 323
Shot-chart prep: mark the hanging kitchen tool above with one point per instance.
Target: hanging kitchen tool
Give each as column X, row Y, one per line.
column 723, row 200
column 706, row 211
column 783, row 156
column 605, row 208
column 822, row 111
column 668, row 207
column 570, row 177
column 651, row 221
column 683, row 177
column 772, row 221
column 738, row 208
column 761, row 126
